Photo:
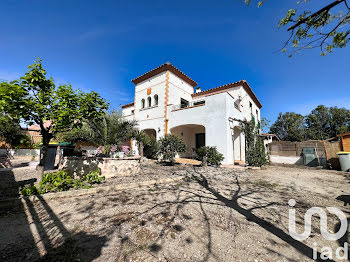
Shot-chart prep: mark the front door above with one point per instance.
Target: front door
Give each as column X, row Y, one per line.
column 200, row 140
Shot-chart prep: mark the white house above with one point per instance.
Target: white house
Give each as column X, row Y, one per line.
column 167, row 101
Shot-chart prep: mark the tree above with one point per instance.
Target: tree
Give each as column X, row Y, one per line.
column 327, row 28
column 169, row 146
column 11, row 133
column 289, row 127
column 324, row 122
column 265, row 124
column 211, row 155
column 35, row 99
column 111, row 129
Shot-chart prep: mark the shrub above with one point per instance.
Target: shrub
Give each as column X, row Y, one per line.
column 61, row 181
column 169, row 146
column 54, row 182
column 150, row 148
column 29, row 190
column 254, row 145
column 94, row 177
column 214, row 158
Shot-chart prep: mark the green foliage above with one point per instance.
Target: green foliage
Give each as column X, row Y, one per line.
column 29, row 190
column 326, row 122
column 322, row 123
column 76, row 135
column 11, row 133
column 61, row 181
column 169, row 146
column 110, row 129
column 149, row 144
column 150, row 148
column 254, row 145
column 94, row 177
column 211, row 153
column 289, row 127
column 327, row 28
column 55, row 182
column 265, row 124
column 37, row 145
column 34, row 98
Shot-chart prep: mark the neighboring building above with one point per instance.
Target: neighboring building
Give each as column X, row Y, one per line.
column 166, row 101
column 345, row 141
column 269, row 138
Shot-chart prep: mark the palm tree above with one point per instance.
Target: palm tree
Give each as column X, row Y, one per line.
column 110, row 129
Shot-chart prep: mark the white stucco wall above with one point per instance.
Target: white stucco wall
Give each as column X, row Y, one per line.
column 214, row 115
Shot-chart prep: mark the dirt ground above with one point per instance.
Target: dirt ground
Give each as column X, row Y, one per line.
column 213, row 214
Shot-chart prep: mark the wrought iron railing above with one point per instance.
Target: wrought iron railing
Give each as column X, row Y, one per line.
column 189, row 104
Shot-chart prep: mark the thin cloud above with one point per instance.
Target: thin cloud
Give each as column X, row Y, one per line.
column 103, row 30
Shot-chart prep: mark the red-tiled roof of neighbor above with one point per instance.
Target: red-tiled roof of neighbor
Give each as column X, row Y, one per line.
column 165, row 67
column 270, row 135
column 128, row 105
column 218, row 89
column 37, row 127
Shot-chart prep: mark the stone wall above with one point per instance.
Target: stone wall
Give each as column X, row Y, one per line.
column 109, row 167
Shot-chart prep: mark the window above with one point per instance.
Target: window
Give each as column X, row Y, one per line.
column 149, row 101
column 257, row 114
column 251, row 107
column 132, row 111
column 143, row 103
column 184, row 103
column 155, row 100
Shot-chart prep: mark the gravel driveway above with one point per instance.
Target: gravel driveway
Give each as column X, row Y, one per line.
column 213, row 214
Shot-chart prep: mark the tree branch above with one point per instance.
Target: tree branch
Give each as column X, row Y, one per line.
column 326, row 8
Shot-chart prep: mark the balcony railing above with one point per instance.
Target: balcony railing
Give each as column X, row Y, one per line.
column 189, row 104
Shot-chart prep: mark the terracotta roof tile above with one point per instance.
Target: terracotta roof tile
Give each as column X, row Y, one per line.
column 165, row 67
column 128, row 105
column 218, row 89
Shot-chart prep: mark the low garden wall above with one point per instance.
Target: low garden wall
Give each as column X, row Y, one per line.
column 109, row 167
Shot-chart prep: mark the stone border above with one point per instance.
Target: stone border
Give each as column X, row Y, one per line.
column 11, row 202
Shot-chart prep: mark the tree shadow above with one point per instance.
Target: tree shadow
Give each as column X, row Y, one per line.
column 268, row 226
column 32, row 231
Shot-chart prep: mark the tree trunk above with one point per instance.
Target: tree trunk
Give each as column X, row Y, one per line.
column 141, row 149
column 44, row 149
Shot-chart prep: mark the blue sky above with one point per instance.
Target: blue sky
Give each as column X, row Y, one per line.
column 102, row 45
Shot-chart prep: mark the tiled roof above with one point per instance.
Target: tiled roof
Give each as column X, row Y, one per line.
column 218, row 89
column 128, row 105
column 165, row 67
column 37, row 127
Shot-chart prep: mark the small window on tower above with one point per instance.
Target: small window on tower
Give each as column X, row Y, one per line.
column 149, row 101
column 143, row 103
column 156, row 100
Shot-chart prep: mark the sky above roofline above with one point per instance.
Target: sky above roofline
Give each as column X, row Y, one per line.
column 102, row 45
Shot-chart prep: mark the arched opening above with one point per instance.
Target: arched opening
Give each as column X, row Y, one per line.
column 149, row 99
column 143, row 103
column 192, row 135
column 151, row 133
column 155, row 100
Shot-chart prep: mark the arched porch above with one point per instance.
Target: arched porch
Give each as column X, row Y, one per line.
column 193, row 136
column 152, row 133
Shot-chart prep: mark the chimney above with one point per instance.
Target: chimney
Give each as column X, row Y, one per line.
column 198, row 89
